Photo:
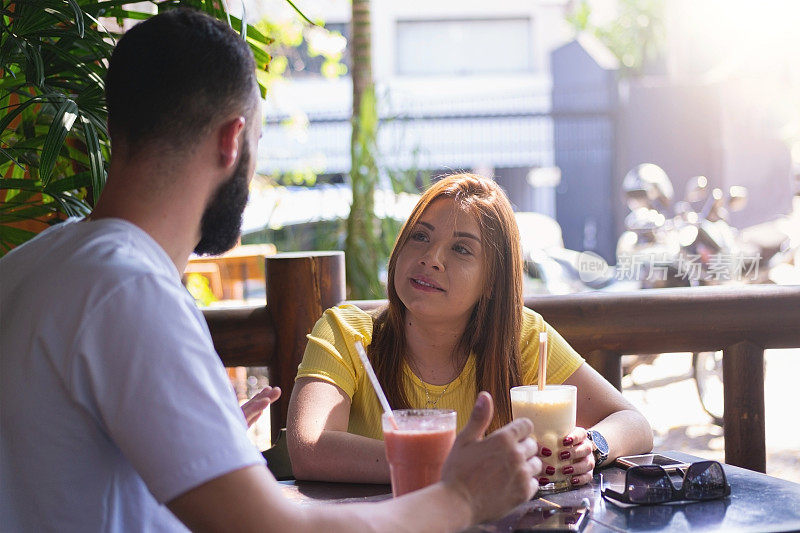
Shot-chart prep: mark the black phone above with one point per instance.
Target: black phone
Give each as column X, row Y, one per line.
column 569, row 519
column 668, row 463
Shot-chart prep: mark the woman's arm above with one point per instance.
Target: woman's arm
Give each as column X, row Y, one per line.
column 320, row 446
column 603, row 408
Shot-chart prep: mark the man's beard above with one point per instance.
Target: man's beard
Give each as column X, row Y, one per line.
column 222, row 220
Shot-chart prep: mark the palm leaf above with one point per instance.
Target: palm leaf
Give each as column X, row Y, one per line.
column 11, row 115
column 72, row 206
column 10, row 236
column 70, row 183
column 19, row 214
column 23, row 184
column 78, row 16
column 131, row 15
column 9, row 157
column 60, row 127
column 105, row 36
column 35, row 65
column 95, row 157
column 300, row 12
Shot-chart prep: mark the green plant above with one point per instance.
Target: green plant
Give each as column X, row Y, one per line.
column 363, row 228
column 637, row 37
column 54, row 145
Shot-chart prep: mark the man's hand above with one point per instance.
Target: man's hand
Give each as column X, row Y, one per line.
column 254, row 407
column 495, row 473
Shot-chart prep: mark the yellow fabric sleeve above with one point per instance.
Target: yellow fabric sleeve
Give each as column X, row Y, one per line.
column 562, row 359
column 331, row 356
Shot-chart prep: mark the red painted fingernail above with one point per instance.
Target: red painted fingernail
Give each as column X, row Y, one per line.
column 543, row 481
column 564, row 455
column 547, row 452
column 550, row 470
column 568, row 470
column 567, row 441
column 575, row 481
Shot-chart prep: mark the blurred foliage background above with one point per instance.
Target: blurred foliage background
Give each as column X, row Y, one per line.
column 637, row 37
column 54, row 145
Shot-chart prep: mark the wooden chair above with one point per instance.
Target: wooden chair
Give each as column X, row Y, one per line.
column 278, row 460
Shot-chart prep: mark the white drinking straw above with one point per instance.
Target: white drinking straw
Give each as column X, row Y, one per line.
column 542, row 359
column 377, row 386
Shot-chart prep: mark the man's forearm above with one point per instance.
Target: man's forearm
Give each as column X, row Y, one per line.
column 434, row 509
column 249, row 499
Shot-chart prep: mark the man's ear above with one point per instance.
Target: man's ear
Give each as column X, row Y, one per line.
column 228, row 144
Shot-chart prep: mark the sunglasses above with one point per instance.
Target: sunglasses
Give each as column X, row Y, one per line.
column 651, row 484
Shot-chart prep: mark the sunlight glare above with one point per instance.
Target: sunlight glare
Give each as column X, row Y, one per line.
column 751, row 37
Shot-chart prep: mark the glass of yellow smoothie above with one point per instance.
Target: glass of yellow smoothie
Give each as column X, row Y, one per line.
column 552, row 412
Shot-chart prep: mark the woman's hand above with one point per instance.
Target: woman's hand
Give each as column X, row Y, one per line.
column 254, row 407
column 574, row 459
column 578, row 457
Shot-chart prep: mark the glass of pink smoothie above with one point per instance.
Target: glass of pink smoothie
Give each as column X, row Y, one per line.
column 418, row 448
column 552, row 412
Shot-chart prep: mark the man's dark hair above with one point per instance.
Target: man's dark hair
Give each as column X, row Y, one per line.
column 171, row 76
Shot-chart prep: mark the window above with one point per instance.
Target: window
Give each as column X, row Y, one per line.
column 463, row 47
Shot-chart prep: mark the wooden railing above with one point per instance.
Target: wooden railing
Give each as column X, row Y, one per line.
column 741, row 321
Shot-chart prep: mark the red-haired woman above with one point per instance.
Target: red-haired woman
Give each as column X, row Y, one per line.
column 455, row 325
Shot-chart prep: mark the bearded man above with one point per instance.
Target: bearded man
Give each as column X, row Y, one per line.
column 115, row 411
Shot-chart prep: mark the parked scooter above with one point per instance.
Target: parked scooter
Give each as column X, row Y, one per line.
column 686, row 244
column 550, row 268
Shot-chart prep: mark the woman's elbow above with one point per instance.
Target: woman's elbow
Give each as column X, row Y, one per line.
column 303, row 470
column 646, row 432
column 301, row 454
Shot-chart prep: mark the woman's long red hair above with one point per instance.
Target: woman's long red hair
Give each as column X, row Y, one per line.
column 493, row 331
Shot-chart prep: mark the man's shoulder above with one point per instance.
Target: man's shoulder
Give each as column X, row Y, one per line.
column 123, row 245
column 113, row 248
column 83, row 262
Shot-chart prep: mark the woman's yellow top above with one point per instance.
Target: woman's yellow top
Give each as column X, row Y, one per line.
column 331, row 356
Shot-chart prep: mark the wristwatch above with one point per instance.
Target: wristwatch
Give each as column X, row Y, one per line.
column 599, row 445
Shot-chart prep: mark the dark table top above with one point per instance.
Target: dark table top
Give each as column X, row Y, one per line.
column 757, row 503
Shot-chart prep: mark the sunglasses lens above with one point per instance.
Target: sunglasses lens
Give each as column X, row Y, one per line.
column 649, row 484
column 704, row 481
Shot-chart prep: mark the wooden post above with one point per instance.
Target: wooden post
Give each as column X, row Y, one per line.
column 300, row 286
column 608, row 364
column 743, row 379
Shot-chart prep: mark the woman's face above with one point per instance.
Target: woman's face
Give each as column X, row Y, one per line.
column 440, row 272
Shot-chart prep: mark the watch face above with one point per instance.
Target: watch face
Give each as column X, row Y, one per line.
column 599, row 441
column 601, row 448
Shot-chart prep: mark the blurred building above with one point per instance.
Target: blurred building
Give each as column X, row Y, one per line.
column 503, row 89
column 728, row 104
column 462, row 85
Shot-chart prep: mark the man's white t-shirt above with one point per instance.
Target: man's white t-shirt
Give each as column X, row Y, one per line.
column 112, row 398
